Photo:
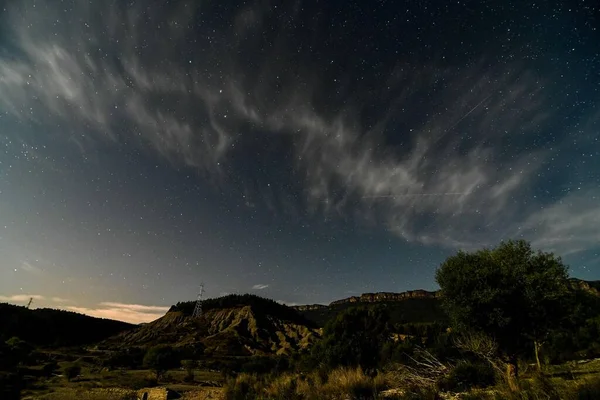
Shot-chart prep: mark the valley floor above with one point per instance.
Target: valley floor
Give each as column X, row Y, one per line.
column 125, row 385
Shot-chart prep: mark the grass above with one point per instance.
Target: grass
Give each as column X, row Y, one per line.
column 115, row 384
column 346, row 383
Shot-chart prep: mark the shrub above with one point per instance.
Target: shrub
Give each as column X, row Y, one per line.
column 189, row 366
column 130, row 358
column 160, row 359
column 355, row 337
column 589, row 390
column 19, row 350
column 284, row 387
column 259, row 365
column 417, row 393
column 10, row 386
column 466, row 375
column 49, row 368
column 136, row 382
column 243, row 387
column 72, row 371
column 353, row 383
column 540, row 387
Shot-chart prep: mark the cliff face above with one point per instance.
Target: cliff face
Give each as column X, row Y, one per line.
column 387, row 297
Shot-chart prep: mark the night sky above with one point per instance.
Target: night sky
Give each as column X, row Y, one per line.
column 304, row 151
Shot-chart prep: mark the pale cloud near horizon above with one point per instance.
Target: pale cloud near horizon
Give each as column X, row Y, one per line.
column 21, row 297
column 132, row 313
column 441, row 189
column 260, row 286
column 38, row 297
column 59, row 300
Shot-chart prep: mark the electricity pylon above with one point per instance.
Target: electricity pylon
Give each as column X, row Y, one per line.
column 198, row 309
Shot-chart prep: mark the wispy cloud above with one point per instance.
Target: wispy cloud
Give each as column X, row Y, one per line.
column 450, row 181
column 260, row 286
column 133, row 313
column 30, row 268
column 568, row 226
column 59, row 300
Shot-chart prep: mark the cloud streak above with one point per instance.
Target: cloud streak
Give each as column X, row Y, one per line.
column 259, row 286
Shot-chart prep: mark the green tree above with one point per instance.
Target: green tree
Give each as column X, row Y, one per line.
column 72, row 371
column 510, row 293
column 19, row 349
column 49, row 368
column 190, row 366
column 159, row 359
column 355, row 337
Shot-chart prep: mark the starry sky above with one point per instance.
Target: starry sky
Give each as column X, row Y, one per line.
column 304, row 151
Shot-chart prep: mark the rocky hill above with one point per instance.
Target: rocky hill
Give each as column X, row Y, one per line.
column 232, row 325
column 250, row 325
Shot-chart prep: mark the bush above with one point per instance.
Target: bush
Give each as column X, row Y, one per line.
column 72, row 371
column 10, row 386
column 541, row 387
column 466, row 375
column 353, row 383
column 356, row 337
column 49, row 368
column 130, row 358
column 243, row 387
column 589, row 390
column 284, row 387
column 137, row 383
column 189, row 366
column 415, row 393
column 159, row 359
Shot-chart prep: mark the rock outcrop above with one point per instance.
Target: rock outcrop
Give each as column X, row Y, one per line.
column 387, row 297
column 309, row 307
column 590, row 287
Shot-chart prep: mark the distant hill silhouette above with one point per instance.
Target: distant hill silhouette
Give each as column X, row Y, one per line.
column 414, row 306
column 53, row 328
column 405, row 310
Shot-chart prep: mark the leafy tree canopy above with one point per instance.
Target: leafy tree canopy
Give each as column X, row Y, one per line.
column 354, row 338
column 159, row 359
column 510, row 293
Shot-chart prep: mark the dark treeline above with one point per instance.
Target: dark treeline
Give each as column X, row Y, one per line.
column 53, row 328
